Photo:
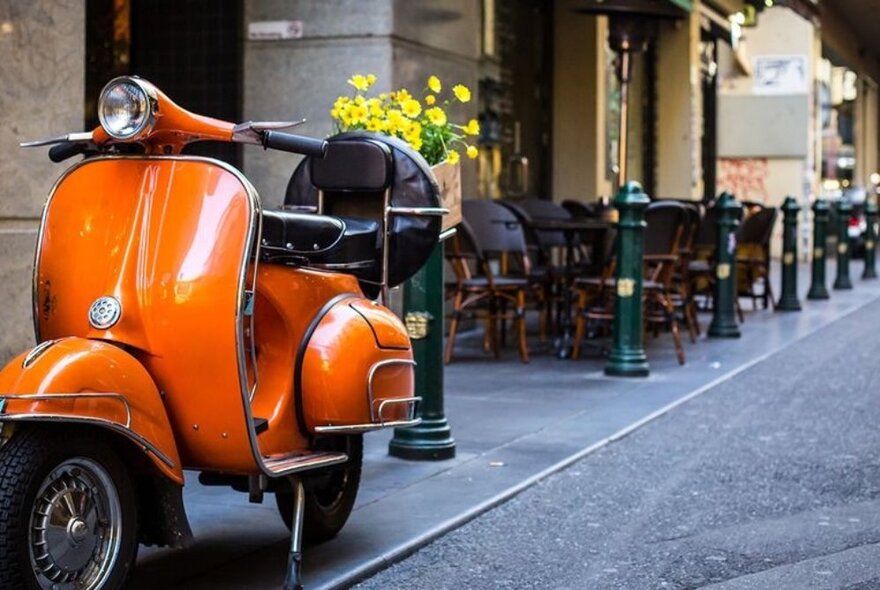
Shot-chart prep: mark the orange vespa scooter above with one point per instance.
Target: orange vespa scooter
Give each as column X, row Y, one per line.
column 180, row 326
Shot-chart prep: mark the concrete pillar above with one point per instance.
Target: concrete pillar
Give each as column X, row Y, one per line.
column 579, row 105
column 679, row 110
column 42, row 84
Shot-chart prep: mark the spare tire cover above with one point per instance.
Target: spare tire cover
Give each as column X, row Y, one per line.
column 413, row 238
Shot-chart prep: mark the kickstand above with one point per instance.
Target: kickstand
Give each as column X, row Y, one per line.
column 294, row 564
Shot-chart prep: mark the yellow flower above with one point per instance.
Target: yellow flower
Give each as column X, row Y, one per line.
column 461, row 92
column 472, row 128
column 375, row 106
column 334, row 113
column 403, row 95
column 383, row 95
column 371, row 79
column 411, row 108
column 472, row 152
column 416, row 143
column 341, row 101
column 434, row 84
column 359, row 99
column 359, row 82
column 436, row 116
column 376, row 125
column 396, row 121
column 413, row 132
column 358, row 114
column 430, row 100
column 452, row 157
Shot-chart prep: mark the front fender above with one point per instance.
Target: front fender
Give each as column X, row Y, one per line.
column 94, row 382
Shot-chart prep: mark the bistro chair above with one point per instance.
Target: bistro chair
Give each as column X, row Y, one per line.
column 701, row 267
column 491, row 237
column 667, row 223
column 684, row 299
column 548, row 248
column 753, row 256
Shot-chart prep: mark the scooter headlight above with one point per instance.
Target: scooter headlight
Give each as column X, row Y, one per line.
column 127, row 108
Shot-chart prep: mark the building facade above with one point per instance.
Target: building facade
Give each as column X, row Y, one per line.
column 762, row 99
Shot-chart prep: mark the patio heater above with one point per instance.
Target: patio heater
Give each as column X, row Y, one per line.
column 632, row 26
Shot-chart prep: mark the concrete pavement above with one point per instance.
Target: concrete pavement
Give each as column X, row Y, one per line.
column 515, row 424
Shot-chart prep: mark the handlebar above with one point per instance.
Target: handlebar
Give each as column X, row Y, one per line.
column 297, row 144
column 62, row 151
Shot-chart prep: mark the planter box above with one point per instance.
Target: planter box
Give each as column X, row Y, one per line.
column 449, row 180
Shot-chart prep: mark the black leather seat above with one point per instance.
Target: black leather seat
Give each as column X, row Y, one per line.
column 323, row 241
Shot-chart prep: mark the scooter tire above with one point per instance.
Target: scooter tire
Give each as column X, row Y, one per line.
column 86, row 463
column 329, row 494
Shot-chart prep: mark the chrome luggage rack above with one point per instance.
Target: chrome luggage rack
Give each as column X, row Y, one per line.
column 378, row 407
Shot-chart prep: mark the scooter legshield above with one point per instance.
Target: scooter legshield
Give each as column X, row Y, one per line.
column 78, row 380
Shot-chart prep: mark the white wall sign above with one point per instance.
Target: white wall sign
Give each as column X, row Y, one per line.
column 275, row 30
column 781, row 74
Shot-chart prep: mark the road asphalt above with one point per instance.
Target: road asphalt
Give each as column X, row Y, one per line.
column 768, row 480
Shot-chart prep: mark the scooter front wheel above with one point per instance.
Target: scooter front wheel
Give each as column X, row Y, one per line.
column 68, row 511
column 329, row 494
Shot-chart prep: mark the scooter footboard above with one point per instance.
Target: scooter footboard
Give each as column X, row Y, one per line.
column 355, row 371
column 81, row 381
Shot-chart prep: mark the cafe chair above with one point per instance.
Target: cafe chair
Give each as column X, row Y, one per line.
column 701, row 267
column 666, row 225
column 684, row 298
column 488, row 241
column 753, row 256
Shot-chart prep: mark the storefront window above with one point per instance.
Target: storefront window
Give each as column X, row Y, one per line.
column 838, row 92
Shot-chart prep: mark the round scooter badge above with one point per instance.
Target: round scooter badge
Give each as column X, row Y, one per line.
column 104, row 312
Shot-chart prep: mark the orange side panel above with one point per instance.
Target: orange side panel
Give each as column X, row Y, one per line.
column 340, row 357
column 287, row 301
column 387, row 327
column 168, row 237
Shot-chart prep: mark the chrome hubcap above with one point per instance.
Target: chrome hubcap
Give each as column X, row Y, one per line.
column 76, row 527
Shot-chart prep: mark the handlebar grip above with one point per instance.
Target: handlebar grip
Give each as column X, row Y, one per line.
column 297, row 144
column 62, row 151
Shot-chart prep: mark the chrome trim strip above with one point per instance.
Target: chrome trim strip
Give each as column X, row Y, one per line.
column 35, row 353
column 361, row 428
column 140, row 440
column 419, row 211
column 53, row 396
column 372, row 374
column 446, row 234
column 341, row 265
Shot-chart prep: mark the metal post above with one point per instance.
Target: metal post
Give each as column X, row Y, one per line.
column 724, row 308
column 844, row 209
column 870, row 271
column 423, row 306
column 788, row 300
column 820, row 237
column 627, row 358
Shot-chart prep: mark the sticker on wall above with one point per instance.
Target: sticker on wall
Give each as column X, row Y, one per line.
column 781, row 74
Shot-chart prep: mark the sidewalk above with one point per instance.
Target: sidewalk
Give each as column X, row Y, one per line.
column 513, row 423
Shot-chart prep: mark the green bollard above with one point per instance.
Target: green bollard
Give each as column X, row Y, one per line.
column 627, row 358
column 423, row 307
column 870, row 271
column 788, row 300
column 724, row 309
column 843, row 208
column 820, row 237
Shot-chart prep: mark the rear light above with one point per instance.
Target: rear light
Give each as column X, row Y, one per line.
column 854, row 221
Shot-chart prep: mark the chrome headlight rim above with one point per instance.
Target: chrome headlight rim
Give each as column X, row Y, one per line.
column 150, row 100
